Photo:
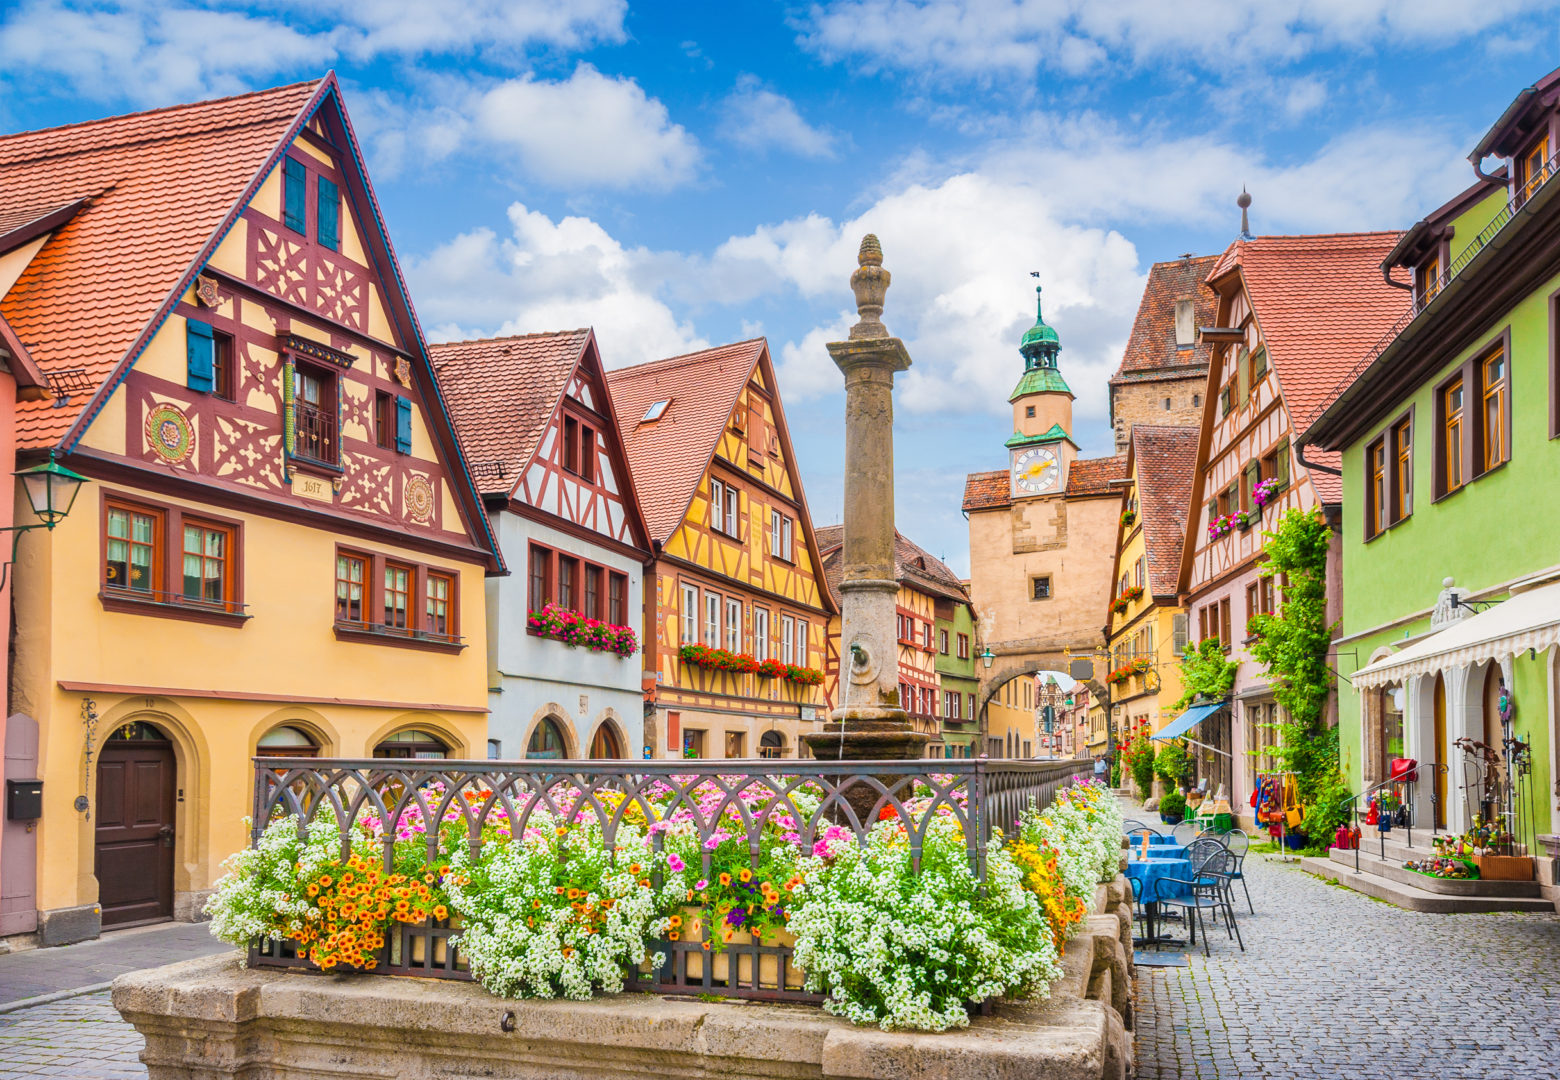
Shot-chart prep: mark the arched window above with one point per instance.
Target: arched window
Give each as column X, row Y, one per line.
column 546, row 740
column 412, row 743
column 606, row 743
column 286, row 741
column 137, row 731
column 771, row 745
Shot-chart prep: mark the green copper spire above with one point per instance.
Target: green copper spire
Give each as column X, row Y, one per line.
column 1039, row 347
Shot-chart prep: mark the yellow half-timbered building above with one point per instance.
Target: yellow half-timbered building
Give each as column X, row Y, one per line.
column 736, row 614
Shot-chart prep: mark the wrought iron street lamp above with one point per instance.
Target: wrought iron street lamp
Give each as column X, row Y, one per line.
column 51, row 491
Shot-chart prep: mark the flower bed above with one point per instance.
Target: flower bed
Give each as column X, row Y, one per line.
column 572, row 628
column 745, row 664
column 562, row 890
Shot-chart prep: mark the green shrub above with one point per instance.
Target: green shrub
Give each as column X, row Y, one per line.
column 1173, row 804
column 1326, row 812
column 1172, row 764
column 1141, row 754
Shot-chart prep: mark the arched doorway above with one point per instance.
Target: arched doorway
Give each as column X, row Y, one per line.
column 412, row 743
column 771, row 744
column 137, row 788
column 284, row 740
column 606, row 743
column 547, row 740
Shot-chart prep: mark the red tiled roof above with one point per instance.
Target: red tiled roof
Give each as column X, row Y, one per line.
column 161, row 183
column 1165, row 461
column 1321, row 304
column 669, row 456
column 1151, row 350
column 501, row 393
column 914, row 566
column 987, row 490
column 1092, row 476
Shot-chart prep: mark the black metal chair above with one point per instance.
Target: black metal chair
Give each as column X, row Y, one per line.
column 1208, row 889
column 1132, row 825
column 1238, row 844
column 1185, row 832
column 1139, row 915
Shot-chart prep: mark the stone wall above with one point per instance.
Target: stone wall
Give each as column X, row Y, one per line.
column 1144, row 403
column 213, row 1018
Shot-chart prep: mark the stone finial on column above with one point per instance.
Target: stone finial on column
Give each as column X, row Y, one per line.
column 870, row 284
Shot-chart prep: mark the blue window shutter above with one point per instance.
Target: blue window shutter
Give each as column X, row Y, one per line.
column 403, row 425
column 200, row 347
column 328, row 218
column 294, row 185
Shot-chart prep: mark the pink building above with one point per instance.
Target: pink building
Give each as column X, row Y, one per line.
column 1293, row 316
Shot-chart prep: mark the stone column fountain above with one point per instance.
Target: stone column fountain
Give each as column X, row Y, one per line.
column 870, row 721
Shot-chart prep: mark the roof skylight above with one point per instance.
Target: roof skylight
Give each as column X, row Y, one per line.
column 656, row 411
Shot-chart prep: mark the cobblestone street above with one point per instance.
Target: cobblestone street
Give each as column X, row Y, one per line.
column 80, row 1037
column 1335, row 985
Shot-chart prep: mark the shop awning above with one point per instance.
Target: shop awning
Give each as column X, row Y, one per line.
column 1528, row 620
column 1188, row 720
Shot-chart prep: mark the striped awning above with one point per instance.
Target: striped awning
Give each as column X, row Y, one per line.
column 1528, row 620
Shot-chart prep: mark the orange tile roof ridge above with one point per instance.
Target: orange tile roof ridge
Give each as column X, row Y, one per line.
column 697, row 354
column 510, row 337
column 165, row 109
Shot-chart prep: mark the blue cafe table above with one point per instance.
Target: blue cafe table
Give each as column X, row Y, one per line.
column 1150, row 873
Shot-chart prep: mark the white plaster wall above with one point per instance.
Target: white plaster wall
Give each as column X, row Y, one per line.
column 534, row 674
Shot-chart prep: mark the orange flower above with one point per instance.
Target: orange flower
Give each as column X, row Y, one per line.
column 441, row 912
column 672, row 935
column 325, row 881
column 675, row 921
column 745, row 875
column 725, row 879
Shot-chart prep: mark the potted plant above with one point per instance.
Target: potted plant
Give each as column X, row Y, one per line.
column 1172, row 807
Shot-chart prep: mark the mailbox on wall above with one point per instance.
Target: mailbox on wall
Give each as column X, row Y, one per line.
column 23, row 800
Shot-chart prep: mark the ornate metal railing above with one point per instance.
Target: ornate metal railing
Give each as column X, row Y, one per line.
column 752, row 795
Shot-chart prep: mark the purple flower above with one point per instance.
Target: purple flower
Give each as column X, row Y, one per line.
column 736, row 916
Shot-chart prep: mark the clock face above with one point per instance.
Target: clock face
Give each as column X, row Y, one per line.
column 1036, row 470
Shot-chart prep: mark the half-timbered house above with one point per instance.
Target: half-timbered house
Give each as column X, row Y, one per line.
column 1292, row 315
column 929, row 593
column 537, row 425
column 279, row 550
column 736, row 612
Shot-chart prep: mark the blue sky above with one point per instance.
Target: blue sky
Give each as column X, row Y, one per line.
column 679, row 175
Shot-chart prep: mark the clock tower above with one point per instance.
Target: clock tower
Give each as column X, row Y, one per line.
column 1041, row 447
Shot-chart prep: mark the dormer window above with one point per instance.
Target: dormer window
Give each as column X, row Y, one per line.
column 1532, row 169
column 1185, row 324
column 1427, row 280
column 656, row 411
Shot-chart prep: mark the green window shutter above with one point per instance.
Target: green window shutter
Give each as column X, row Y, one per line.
column 403, row 425
column 1224, row 401
column 1213, row 510
column 1282, row 456
column 294, row 187
column 200, row 348
column 328, row 217
column 1253, row 476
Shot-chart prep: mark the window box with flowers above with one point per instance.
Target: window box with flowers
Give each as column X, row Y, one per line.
column 1128, row 518
column 1121, row 603
column 581, row 631
column 1266, row 492
column 719, row 659
column 1220, row 526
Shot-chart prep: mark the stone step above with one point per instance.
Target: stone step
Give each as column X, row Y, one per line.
column 1414, row 898
column 1397, row 847
column 1370, row 863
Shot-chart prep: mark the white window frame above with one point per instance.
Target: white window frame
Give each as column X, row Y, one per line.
column 712, row 619
column 733, row 504
column 690, row 614
column 717, row 505
column 733, row 624
column 760, row 633
column 785, row 538
column 774, row 532
column 801, row 642
column 787, row 639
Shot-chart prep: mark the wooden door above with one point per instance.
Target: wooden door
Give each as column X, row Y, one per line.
column 1440, row 753
column 136, row 787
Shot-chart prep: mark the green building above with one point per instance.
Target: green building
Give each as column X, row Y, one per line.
column 956, row 678
column 1451, row 539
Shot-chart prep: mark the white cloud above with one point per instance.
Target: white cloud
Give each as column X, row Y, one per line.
column 160, row 51
column 149, row 52
column 549, row 275
column 588, row 129
column 981, row 38
column 760, row 119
